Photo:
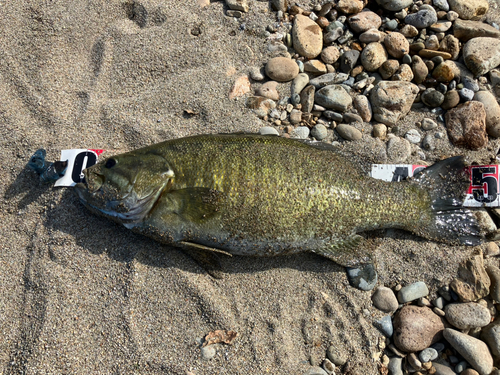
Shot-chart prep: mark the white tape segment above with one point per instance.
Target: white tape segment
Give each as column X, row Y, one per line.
column 78, row 160
column 482, row 192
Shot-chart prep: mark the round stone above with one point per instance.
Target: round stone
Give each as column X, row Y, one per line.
column 268, row 130
column 413, row 136
column 396, row 44
column 384, row 299
column 282, row 69
column 428, row 355
column 333, row 97
column 451, row 100
column 432, row 98
column 364, row 21
column 388, row 68
column 428, row 124
column 384, row 325
column 412, row 292
column 394, row 5
column 319, row 132
column 467, row 315
column 307, row 37
column 373, row 56
column 208, row 352
column 348, row 132
column 492, row 109
column 425, row 17
column 268, row 90
column 301, row 132
column 363, row 277
column 330, row 55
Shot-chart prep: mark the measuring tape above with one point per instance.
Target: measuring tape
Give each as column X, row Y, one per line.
column 482, row 192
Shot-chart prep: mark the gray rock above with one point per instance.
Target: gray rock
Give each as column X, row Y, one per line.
column 395, row 366
column 208, row 352
column 392, row 100
column 301, row 132
column 473, row 350
column 384, row 299
column 394, row 5
column 391, row 25
column 494, row 274
column 491, row 335
column 492, row 109
column 482, row 54
column 467, row 315
column 427, row 355
column 398, row 150
column 412, row 292
column 348, row 60
column 466, row 94
column 333, row 97
column 432, row 98
column 328, row 79
column 334, row 116
column 299, row 83
column 334, row 354
column 363, row 106
column 384, row 325
column 332, row 35
column 443, row 369
column 348, row 132
column 352, row 117
column 441, row 4
column 428, row 124
column 469, row 9
column 319, row 132
column 425, row 17
column 268, row 130
column 428, row 142
column 315, row 370
column 413, row 136
column 307, row 98
column 465, row 30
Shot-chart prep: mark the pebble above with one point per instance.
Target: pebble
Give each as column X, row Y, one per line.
column 315, row 67
column 350, row 133
column 428, row 124
column 441, row 26
column 443, row 369
column 428, row 355
column 333, row 97
column 425, row 17
column 332, row 35
column 268, row 130
column 441, row 4
column 392, row 100
column 268, row 90
column 260, row 105
column 328, row 79
column 372, row 35
column 391, row 25
column 428, row 142
column 466, row 125
column 432, row 98
column 330, row 54
column 384, row 325
column 348, row 60
column 301, row 132
column 315, row 370
column 373, row 56
column 467, row 315
column 335, row 355
column 395, row 366
column 307, row 37
column 491, row 335
column 295, row 116
column 364, row 21
column 256, row 74
column 394, row 5
column 451, row 45
column 470, row 83
column 429, row 54
column 419, row 69
column 473, row 282
column 334, row 116
column 398, row 149
column 492, row 109
column 466, row 94
column 241, row 5
column 494, row 275
column 413, row 136
column 380, row 131
column 416, row 328
column 299, row 82
column 319, row 132
column 412, row 292
column 363, row 106
column 492, row 248
column 350, row 6
column 384, row 298
column 208, row 352
column 469, row 9
column 451, row 100
column 465, row 30
column 461, row 366
column 473, row 350
column 352, row 117
column 409, row 31
column 432, row 42
column 396, row 44
column 481, row 54
column 404, row 73
column 282, row 69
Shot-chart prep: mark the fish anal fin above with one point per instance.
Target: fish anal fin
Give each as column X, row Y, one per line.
column 350, row 251
column 207, row 260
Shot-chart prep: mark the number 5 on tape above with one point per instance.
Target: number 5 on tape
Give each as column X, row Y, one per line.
column 78, row 160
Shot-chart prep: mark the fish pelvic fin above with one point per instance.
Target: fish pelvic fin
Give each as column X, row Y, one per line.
column 348, row 252
column 446, row 181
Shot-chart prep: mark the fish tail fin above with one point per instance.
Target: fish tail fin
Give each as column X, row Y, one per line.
column 447, row 181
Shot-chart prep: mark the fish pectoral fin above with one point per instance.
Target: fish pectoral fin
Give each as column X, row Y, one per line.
column 348, row 252
column 197, row 203
column 208, row 260
column 195, row 246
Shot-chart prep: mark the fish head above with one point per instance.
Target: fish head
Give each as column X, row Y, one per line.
column 125, row 187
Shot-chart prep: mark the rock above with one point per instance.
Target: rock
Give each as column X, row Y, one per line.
column 466, row 125
column 397, row 45
column 328, row 366
column 348, row 60
column 412, row 292
column 430, row 54
column 349, row 133
column 473, row 350
column 332, row 35
column 307, row 99
column 350, row 6
column 443, row 73
column 482, row 54
column 364, row 21
column 380, row 131
column 336, row 355
column 278, row 5
column 469, row 9
column 494, row 274
column 432, row 42
column 241, row 87
column 409, row 31
column 298, row 84
column 241, row 5
column 268, row 90
column 473, row 282
column 295, row 116
column 352, row 117
column 441, row 26
column 441, row 4
column 432, row 98
column 315, row 67
column 451, row 45
column 384, row 325
column 384, row 299
column 330, row 55
column 425, row 17
column 268, row 130
column 363, row 277
column 333, row 97
column 419, row 69
column 467, row 315
column 372, row 35
column 315, row 370
column 392, row 100
column 301, row 132
column 398, row 150
column 208, row 352
column 328, row 79
column 282, row 69
column 465, row 30
column 404, row 73
column 261, row 106
column 427, row 355
column 373, row 56
column 416, row 328
column 451, row 100
column 413, row 136
column 491, row 335
column 363, row 106
column 395, row 366
column 307, row 37
column 442, row 369
column 256, row 74
column 319, row 132
column 388, row 68
column 394, row 5
column 492, row 109
column 466, row 94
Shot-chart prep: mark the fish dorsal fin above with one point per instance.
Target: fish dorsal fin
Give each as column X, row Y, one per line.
column 196, row 204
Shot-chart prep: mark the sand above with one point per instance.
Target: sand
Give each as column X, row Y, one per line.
column 82, row 295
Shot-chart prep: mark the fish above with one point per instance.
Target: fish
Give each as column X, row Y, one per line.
column 257, row 195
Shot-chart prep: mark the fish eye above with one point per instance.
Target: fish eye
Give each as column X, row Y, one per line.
column 110, row 163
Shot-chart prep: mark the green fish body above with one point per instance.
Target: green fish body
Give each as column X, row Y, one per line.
column 266, row 196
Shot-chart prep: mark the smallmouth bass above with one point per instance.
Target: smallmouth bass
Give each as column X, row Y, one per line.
column 266, row 195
